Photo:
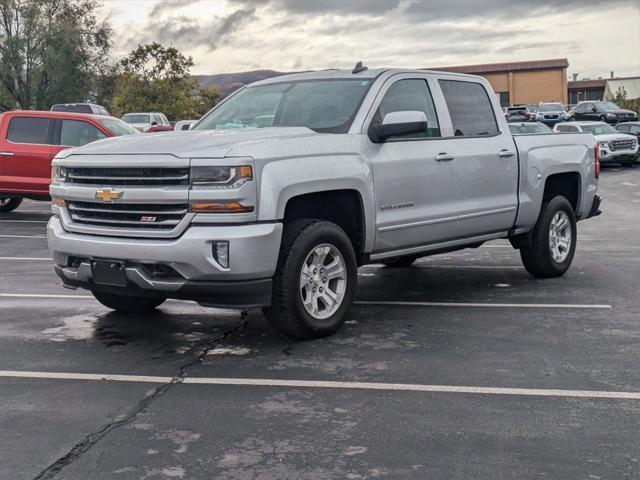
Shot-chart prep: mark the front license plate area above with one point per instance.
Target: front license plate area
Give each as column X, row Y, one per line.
column 109, row 272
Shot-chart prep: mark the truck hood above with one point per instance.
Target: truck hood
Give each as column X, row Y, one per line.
column 191, row 143
column 614, row 136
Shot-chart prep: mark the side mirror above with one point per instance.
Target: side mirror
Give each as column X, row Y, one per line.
column 398, row 123
column 153, row 124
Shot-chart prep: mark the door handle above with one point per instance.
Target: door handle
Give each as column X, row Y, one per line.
column 7, row 154
column 444, row 157
column 506, row 153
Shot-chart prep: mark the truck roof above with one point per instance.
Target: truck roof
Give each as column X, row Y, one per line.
column 53, row 114
column 370, row 73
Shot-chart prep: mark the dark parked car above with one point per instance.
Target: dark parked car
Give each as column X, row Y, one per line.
column 80, row 108
column 601, row 112
column 632, row 128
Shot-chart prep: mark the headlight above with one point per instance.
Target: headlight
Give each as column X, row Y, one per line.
column 220, row 178
column 58, row 175
column 603, row 144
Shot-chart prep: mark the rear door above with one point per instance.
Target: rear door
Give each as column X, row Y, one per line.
column 25, row 154
column 485, row 159
column 413, row 180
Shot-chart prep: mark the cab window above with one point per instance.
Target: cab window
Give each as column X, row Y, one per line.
column 410, row 95
column 470, row 108
column 75, row 133
column 34, row 130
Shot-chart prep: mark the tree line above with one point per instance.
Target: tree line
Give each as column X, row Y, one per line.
column 58, row 51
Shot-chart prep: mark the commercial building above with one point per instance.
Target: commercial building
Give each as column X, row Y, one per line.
column 603, row 88
column 523, row 82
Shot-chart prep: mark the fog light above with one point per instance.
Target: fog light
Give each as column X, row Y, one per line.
column 221, row 253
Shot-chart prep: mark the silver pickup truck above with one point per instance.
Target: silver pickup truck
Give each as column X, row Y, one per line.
column 279, row 193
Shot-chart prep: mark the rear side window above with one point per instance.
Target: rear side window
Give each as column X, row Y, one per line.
column 470, row 108
column 29, row 130
column 623, row 128
column 410, row 95
column 75, row 133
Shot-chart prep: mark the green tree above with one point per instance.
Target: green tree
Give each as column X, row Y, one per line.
column 50, row 51
column 620, row 99
column 156, row 78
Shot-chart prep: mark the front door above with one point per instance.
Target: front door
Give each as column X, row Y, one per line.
column 414, row 180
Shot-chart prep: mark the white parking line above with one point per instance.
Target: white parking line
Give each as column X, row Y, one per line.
column 268, row 382
column 481, row 305
column 37, row 295
column 381, row 303
column 23, row 221
column 28, row 258
column 23, row 236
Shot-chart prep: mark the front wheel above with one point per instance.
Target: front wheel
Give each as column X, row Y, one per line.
column 314, row 282
column 8, row 204
column 553, row 240
column 125, row 304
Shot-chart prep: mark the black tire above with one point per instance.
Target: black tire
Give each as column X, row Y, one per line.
column 572, row 119
column 287, row 313
column 537, row 257
column 401, row 261
column 8, row 204
column 602, row 118
column 125, row 304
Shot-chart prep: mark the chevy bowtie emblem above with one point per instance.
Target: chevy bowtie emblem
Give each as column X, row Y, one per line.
column 107, row 195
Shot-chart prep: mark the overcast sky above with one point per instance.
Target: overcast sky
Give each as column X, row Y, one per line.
column 236, row 35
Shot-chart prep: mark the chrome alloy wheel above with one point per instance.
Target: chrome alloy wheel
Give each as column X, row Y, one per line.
column 560, row 236
column 323, row 281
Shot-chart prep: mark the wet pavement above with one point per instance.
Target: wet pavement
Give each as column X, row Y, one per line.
column 450, row 329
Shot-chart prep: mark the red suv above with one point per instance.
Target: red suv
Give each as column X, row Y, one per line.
column 30, row 139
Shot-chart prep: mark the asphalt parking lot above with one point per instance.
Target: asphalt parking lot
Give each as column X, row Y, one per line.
column 462, row 366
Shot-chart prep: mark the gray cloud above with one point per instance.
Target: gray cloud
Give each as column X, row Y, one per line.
column 187, row 32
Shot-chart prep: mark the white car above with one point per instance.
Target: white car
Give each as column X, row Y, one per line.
column 613, row 146
column 143, row 121
column 184, row 125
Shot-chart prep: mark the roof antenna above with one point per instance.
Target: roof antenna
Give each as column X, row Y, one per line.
column 359, row 68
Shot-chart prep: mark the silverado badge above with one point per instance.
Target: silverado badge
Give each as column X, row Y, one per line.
column 107, row 195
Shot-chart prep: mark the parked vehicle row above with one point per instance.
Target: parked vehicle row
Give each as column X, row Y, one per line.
column 553, row 112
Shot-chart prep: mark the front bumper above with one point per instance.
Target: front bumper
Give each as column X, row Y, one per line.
column 189, row 269
column 620, row 156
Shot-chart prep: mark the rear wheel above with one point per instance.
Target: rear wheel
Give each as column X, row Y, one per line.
column 314, row 282
column 123, row 303
column 8, row 204
column 553, row 240
column 401, row 261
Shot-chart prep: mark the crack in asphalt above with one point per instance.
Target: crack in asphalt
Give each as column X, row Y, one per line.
column 198, row 352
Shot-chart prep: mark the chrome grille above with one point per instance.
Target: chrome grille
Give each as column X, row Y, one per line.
column 144, row 177
column 629, row 144
column 128, row 215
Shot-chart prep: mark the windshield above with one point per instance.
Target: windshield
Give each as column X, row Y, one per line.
column 528, row 128
column 551, row 107
column 118, row 127
column 609, row 106
column 136, row 118
column 600, row 129
column 321, row 105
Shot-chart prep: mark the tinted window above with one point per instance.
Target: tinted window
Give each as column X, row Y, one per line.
column 581, row 108
column 528, row 128
column 29, row 130
column 136, row 118
column 76, row 133
column 623, row 128
column 635, row 129
column 599, row 129
column 566, row 128
column 469, row 107
column 410, row 95
column 185, row 126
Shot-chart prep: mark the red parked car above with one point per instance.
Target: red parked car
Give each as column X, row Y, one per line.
column 30, row 139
